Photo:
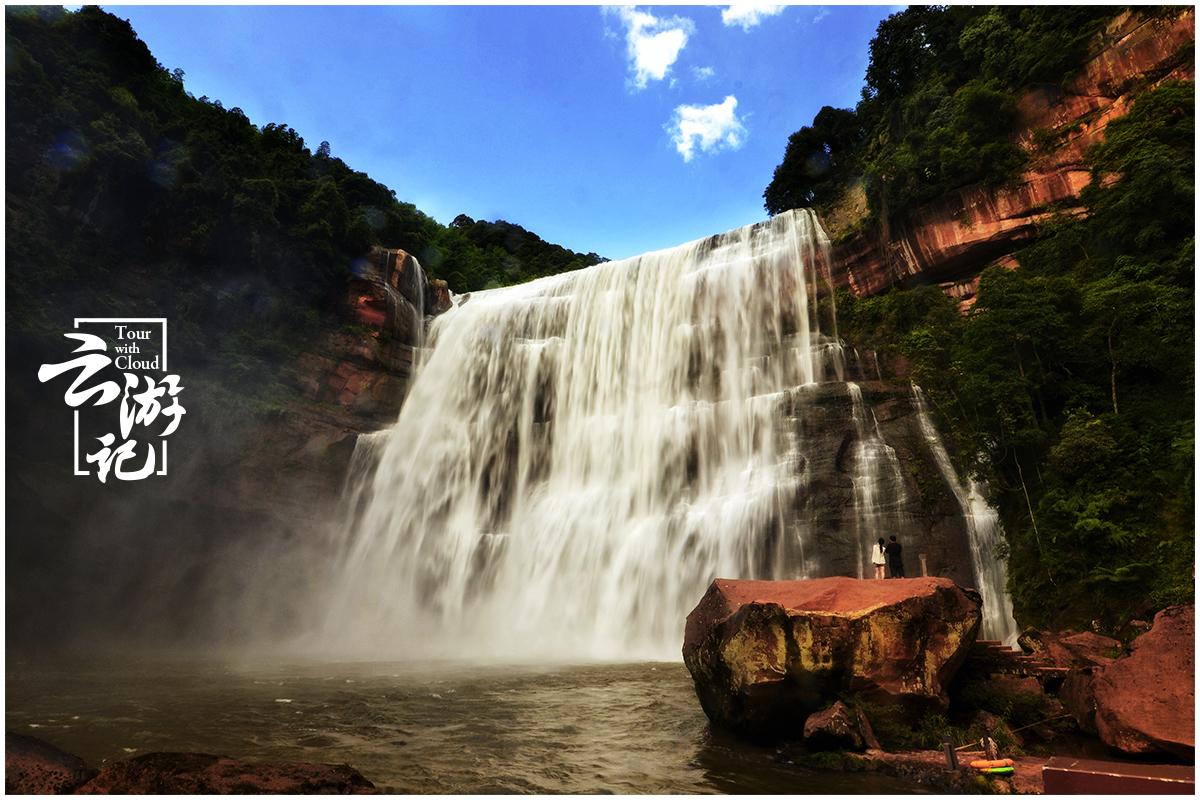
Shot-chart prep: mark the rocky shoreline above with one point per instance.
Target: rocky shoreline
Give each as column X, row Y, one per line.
column 877, row 675
column 32, row 766
column 928, row 768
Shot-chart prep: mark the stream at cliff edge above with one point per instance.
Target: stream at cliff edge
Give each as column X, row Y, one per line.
column 417, row 728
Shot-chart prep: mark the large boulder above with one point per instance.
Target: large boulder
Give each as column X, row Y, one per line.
column 32, row 766
column 1146, row 702
column 766, row 654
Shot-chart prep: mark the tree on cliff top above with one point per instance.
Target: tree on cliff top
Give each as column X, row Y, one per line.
column 937, row 106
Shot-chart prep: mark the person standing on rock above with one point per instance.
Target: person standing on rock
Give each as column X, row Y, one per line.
column 878, row 560
column 894, row 557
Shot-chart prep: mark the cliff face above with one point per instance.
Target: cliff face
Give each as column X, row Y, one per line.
column 352, row 382
column 908, row 496
column 950, row 241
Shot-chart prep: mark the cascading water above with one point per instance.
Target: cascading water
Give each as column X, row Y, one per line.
column 983, row 532
column 578, row 457
column 878, row 484
column 581, row 455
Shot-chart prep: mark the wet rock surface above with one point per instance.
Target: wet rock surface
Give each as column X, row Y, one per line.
column 32, row 766
column 1071, row 649
column 839, row 728
column 35, row 767
column 198, row 773
column 914, row 502
column 766, row 654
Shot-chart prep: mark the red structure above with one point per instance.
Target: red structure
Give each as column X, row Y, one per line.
column 1064, row 775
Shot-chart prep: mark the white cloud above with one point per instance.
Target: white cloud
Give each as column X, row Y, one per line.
column 652, row 43
column 749, row 14
column 703, row 73
column 820, row 15
column 707, row 129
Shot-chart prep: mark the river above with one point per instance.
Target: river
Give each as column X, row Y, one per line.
column 416, row 728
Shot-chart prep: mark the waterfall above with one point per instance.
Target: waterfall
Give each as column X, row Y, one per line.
column 581, row 455
column 878, row 484
column 983, row 532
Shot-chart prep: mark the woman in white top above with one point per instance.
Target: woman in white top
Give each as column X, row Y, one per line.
column 878, row 559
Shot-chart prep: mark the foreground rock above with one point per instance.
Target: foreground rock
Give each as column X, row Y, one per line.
column 1146, row 702
column 198, row 773
column 35, row 767
column 766, row 654
column 839, row 728
column 1071, row 648
column 32, row 766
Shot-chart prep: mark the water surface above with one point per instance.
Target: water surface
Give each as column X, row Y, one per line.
column 417, row 728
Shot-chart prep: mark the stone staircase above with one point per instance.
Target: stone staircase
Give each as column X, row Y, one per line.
column 990, row 656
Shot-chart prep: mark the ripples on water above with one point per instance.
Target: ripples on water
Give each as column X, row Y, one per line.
column 427, row 728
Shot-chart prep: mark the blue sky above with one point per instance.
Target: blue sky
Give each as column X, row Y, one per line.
column 614, row 130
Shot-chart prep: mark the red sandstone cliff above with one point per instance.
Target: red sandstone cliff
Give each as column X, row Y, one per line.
column 950, row 241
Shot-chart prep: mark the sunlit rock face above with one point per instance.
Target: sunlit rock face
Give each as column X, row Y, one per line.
column 580, row 456
column 765, row 654
column 951, row 240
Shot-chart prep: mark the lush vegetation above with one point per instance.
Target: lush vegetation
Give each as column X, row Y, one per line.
column 127, row 194
column 1068, row 388
column 938, row 106
column 475, row 254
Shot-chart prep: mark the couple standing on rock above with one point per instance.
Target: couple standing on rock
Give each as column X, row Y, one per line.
column 890, row 555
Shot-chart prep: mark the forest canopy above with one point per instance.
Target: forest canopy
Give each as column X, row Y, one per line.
column 937, row 107
column 112, row 163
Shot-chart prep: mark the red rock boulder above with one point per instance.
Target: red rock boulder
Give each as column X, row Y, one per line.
column 197, row 773
column 839, row 727
column 32, row 766
column 1071, row 649
column 1146, row 702
column 766, row 654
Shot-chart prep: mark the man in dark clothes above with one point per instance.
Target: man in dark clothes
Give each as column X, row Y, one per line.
column 894, row 557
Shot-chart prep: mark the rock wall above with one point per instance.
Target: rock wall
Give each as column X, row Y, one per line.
column 352, row 382
column 920, row 509
column 950, row 241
